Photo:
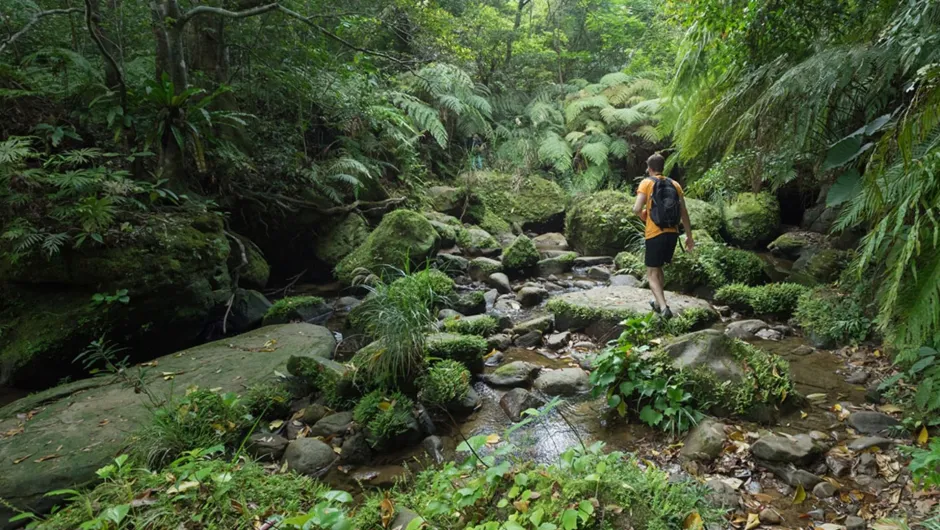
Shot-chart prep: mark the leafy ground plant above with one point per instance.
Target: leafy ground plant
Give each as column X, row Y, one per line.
column 585, row 489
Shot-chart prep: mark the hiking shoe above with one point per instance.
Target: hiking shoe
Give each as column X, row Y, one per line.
column 667, row 313
column 655, row 307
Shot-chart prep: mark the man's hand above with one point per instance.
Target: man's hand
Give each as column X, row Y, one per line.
column 689, row 243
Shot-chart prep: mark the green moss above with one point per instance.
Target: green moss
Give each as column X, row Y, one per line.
column 571, row 316
column 704, row 216
column 771, row 299
column 494, row 224
column 433, row 282
column 446, row 382
column 256, row 272
column 294, row 308
column 442, row 218
column 481, row 325
column 384, row 416
column 528, row 200
column 474, row 237
column 829, row 317
column 342, row 239
column 470, row 303
column 713, row 265
column 630, row 263
column 821, row 266
column 403, row 238
column 520, row 255
column 483, row 267
column 466, row 349
column 269, row 400
column 603, row 223
column 751, row 219
column 447, row 233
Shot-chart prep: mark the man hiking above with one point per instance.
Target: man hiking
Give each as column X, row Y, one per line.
column 661, row 204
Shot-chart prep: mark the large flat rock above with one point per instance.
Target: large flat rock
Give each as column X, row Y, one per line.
column 598, row 311
column 87, row 423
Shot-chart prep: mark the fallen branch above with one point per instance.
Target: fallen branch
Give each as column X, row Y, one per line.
column 35, row 20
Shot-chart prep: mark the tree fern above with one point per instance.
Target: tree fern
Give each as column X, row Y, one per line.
column 556, row 151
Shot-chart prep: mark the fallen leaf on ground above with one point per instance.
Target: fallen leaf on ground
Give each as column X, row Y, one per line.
column 890, row 409
column 800, row 495
column 753, row 521
column 388, row 511
column 183, row 486
column 276, row 424
column 22, row 458
column 922, row 436
column 693, row 522
column 47, row 457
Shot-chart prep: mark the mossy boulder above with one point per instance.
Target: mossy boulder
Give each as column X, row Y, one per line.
column 536, row 204
column 452, row 201
column 602, row 224
column 713, row 265
column 442, row 218
column 296, row 309
column 735, row 378
column 520, row 256
column 474, row 240
column 482, row 325
column 791, row 245
column 494, row 224
column 777, row 299
column 342, row 239
column 248, row 310
column 91, row 421
column 174, row 275
column 557, row 265
column 751, row 219
column 819, row 266
column 704, row 216
column 466, row 349
column 481, row 268
column 446, row 233
column 402, row 240
column 472, row 303
column 248, row 263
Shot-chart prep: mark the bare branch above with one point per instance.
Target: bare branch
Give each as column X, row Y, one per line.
column 275, row 6
column 33, row 21
column 96, row 36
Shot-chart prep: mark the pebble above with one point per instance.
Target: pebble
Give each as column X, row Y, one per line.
column 769, row 334
column 816, row 515
column 867, row 442
column 858, row 378
column 824, row 490
column 770, row 516
column 855, row 523
column 803, row 349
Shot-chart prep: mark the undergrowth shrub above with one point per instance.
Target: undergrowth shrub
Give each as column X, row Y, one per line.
column 200, row 489
column 829, row 317
column 713, row 265
column 446, row 382
column 270, row 399
column 483, row 326
column 771, row 299
column 585, row 489
column 384, row 416
column 200, row 418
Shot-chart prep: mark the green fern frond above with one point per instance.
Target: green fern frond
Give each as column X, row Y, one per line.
column 554, row 150
column 596, row 153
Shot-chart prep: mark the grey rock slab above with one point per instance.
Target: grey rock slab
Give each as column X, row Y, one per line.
column 745, row 329
column 704, row 442
column 562, row 382
column 309, row 456
column 722, row 494
column 800, row 448
column 508, row 306
column 332, row 425
column 75, row 412
column 544, row 324
column 708, row 349
column 557, row 341
column 551, row 241
column 403, row 518
column 531, row 296
column 490, row 297
column 583, row 308
column 266, row 446
column 356, row 450
column 517, row 401
column 529, row 340
column 500, row 341
column 870, row 422
column 624, row 280
column 591, row 261
column 500, row 282
column 516, row 373
column 769, row 334
column 867, row 442
column 598, row 273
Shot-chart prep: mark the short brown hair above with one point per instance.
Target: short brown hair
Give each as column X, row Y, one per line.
column 656, row 162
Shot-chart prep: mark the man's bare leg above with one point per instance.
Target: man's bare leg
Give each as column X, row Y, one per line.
column 655, row 277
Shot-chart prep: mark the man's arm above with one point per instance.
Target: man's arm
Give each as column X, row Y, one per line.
column 639, row 207
column 687, row 227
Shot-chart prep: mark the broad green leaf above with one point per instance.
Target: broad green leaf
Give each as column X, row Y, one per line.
column 651, row 416
column 569, row 520
column 847, row 186
column 844, row 151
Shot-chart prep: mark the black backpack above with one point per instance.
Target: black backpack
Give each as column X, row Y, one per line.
column 666, row 210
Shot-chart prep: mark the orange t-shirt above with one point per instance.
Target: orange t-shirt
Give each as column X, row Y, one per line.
column 646, row 188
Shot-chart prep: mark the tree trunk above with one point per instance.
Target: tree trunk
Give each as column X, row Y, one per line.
column 172, row 63
column 112, row 77
column 515, row 29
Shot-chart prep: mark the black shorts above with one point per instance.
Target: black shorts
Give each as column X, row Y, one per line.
column 660, row 249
